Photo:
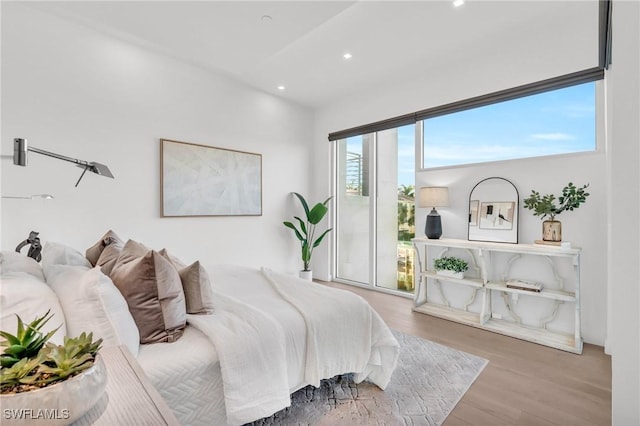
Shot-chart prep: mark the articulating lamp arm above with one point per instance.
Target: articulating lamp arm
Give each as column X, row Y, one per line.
column 20, row 148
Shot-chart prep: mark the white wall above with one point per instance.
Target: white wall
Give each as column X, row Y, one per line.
column 77, row 92
column 623, row 101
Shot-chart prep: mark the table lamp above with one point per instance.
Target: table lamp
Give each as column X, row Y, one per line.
column 433, row 196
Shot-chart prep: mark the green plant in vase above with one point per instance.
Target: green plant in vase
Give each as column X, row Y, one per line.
column 306, row 230
column 450, row 266
column 550, row 206
column 30, row 363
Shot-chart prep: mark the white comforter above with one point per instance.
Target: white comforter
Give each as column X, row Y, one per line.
column 288, row 333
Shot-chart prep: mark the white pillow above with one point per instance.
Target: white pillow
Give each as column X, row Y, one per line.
column 29, row 297
column 11, row 261
column 92, row 303
column 60, row 254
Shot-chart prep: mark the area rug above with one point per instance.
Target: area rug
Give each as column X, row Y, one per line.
column 425, row 387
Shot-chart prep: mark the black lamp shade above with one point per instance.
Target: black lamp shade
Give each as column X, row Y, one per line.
column 433, row 227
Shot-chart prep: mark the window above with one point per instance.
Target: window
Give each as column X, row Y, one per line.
column 554, row 122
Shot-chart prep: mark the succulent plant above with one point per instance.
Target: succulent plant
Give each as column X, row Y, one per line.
column 22, row 372
column 27, row 341
column 48, row 364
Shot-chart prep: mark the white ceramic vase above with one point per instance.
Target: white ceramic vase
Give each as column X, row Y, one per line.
column 57, row 405
column 450, row 274
column 306, row 275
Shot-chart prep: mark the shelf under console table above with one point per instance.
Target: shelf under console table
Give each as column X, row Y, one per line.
column 549, row 317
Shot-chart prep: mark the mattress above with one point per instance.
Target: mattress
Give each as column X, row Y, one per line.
column 187, row 375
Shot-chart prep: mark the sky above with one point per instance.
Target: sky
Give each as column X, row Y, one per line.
column 555, row 122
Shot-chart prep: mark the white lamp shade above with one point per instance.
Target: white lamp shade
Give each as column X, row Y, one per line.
column 434, row 196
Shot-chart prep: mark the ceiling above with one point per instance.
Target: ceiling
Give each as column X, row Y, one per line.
column 300, row 44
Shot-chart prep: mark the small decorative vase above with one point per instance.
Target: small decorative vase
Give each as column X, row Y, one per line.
column 56, row 405
column 552, row 230
column 306, row 275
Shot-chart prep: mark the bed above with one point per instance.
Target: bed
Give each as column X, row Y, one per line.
column 268, row 334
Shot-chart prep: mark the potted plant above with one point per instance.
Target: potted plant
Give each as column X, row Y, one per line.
column 548, row 205
column 59, row 383
column 306, row 231
column 451, row 266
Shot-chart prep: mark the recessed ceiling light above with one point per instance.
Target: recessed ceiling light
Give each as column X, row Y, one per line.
column 347, row 56
column 458, row 3
column 281, row 87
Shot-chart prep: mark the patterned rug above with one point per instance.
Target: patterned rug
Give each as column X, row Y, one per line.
column 425, row 387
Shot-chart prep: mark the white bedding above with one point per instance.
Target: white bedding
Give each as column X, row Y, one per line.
column 187, row 375
column 336, row 332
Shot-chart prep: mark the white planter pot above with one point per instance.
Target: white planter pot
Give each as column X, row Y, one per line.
column 450, row 274
column 306, row 275
column 60, row 404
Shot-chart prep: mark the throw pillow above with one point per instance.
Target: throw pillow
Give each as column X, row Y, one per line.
column 110, row 253
column 196, row 285
column 93, row 253
column 152, row 288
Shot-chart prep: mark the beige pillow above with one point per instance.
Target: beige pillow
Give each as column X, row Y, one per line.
column 153, row 290
column 93, row 253
column 195, row 283
column 109, row 256
column 197, row 289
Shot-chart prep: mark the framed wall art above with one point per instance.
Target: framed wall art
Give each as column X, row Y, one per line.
column 493, row 211
column 201, row 180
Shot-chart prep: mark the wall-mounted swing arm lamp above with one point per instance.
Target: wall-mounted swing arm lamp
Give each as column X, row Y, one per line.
column 30, row 197
column 20, row 148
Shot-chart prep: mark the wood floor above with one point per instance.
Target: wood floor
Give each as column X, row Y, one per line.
column 523, row 384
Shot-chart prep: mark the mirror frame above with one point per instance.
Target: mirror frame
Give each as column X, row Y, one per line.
column 497, row 230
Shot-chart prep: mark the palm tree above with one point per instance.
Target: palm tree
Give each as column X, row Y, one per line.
column 407, row 190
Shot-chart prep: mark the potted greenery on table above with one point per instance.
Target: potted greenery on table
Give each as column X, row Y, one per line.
column 41, row 380
column 548, row 205
column 450, row 266
column 306, row 232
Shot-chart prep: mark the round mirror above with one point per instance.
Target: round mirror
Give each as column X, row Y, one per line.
column 493, row 211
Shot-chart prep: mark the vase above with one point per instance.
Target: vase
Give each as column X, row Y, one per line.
column 306, row 275
column 450, row 274
column 552, row 230
column 56, row 405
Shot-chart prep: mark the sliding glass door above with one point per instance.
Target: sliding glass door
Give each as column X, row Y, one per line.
column 375, row 218
column 353, row 224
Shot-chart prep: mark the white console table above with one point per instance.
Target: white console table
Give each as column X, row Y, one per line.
column 490, row 266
